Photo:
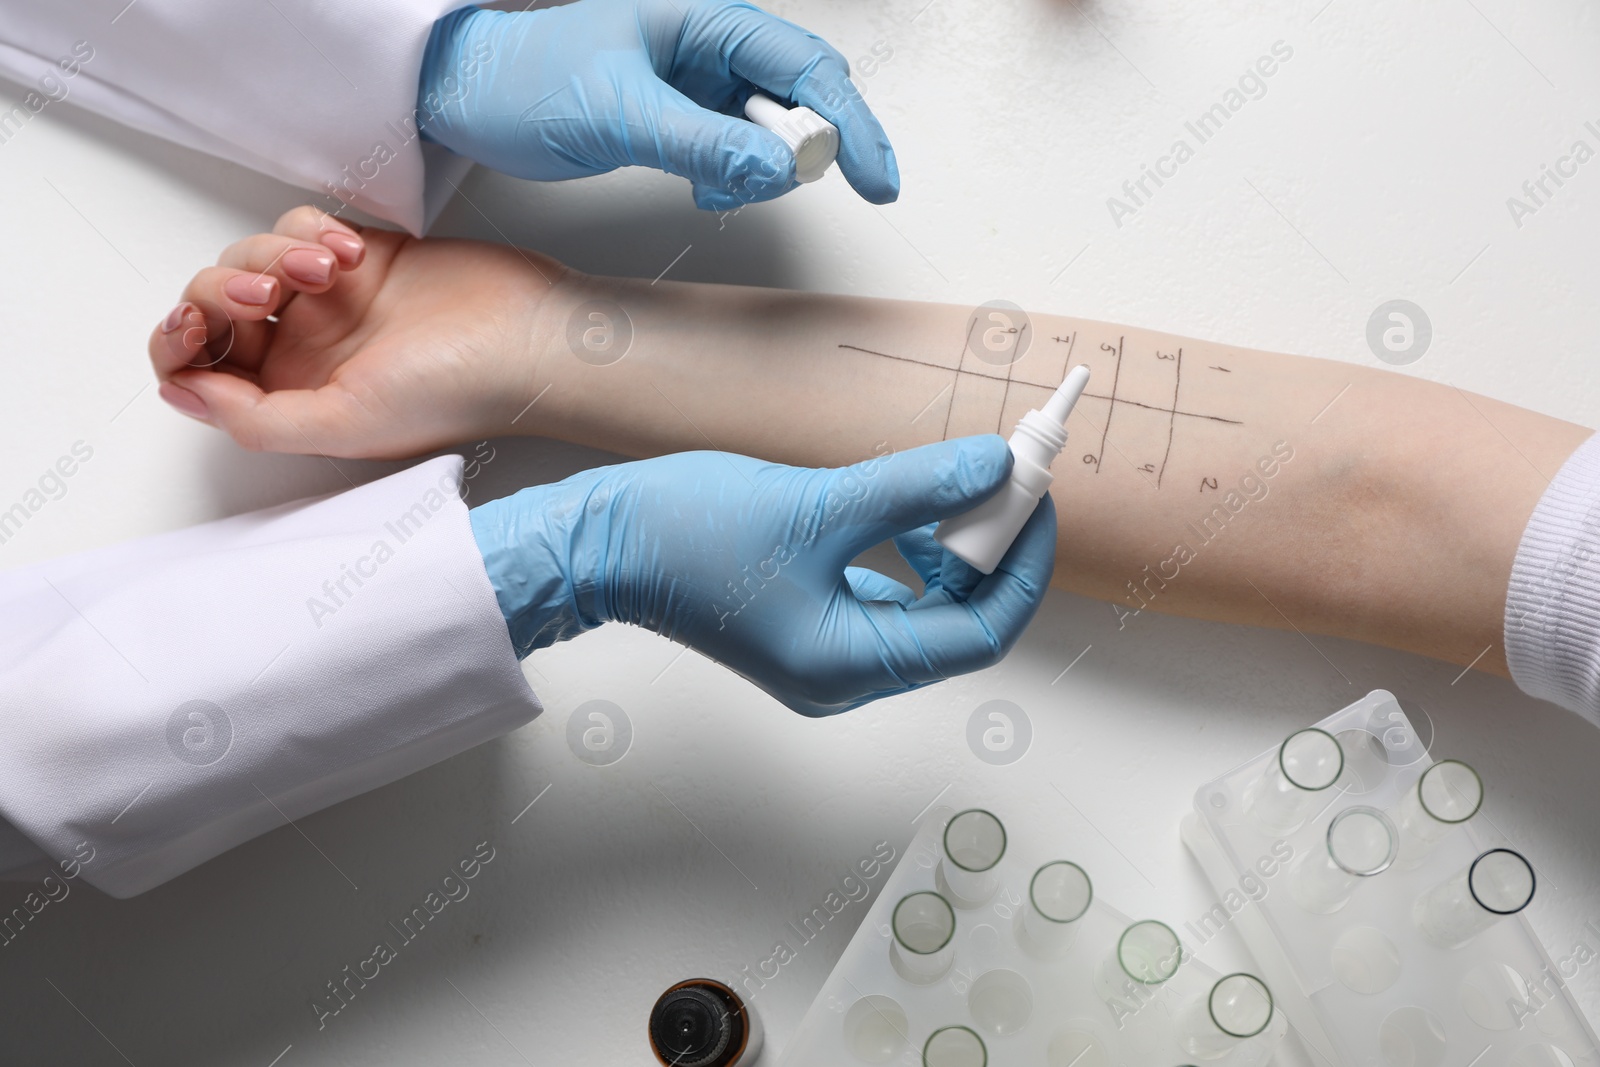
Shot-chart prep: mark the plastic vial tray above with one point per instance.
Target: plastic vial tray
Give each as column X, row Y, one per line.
column 1362, row 986
column 1030, row 1007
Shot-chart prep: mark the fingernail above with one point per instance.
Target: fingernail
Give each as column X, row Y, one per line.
column 185, row 401
column 252, row 289
column 308, row 266
column 350, row 249
column 176, row 316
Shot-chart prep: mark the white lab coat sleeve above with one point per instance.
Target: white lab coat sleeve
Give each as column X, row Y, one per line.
column 1553, row 602
column 163, row 700
column 316, row 93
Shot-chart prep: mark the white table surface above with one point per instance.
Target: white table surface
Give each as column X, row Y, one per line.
column 1376, row 166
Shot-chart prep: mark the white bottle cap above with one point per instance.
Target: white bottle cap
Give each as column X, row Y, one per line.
column 813, row 139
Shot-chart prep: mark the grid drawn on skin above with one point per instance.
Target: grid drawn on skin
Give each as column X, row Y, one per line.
column 1172, row 415
column 1116, row 378
column 1172, row 411
column 1005, row 396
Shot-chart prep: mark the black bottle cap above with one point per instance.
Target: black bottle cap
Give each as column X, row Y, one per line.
column 698, row 1023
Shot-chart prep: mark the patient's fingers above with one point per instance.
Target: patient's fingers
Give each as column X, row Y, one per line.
column 299, row 266
column 222, row 316
column 315, row 226
column 224, row 312
column 200, row 333
column 211, row 345
column 179, row 340
column 241, row 294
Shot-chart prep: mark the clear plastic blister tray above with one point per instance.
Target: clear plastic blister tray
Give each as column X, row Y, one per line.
column 1361, row 985
column 1031, row 1008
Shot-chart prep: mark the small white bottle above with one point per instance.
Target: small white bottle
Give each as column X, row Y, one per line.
column 982, row 535
column 813, row 139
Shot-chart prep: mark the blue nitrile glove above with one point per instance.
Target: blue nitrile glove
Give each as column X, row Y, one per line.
column 571, row 91
column 748, row 563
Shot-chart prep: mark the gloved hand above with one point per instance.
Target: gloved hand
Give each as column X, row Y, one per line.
column 571, row 91
column 748, row 563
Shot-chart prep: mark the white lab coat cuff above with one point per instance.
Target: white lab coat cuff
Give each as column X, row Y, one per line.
column 320, row 95
column 166, row 699
column 1553, row 602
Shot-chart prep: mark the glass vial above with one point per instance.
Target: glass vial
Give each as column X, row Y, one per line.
column 1361, row 842
column 955, row 1046
column 1213, row 1024
column 1496, row 884
column 1058, row 895
column 1147, row 954
column 923, row 945
column 1280, row 801
column 1447, row 795
column 974, row 841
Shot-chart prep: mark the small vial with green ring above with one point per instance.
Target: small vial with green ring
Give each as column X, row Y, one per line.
column 922, row 946
column 974, row 842
column 1146, row 955
column 1059, row 893
column 1236, row 1009
column 1286, row 794
column 1447, row 795
column 955, row 1046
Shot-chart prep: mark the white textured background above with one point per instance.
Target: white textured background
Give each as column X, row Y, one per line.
column 1377, row 166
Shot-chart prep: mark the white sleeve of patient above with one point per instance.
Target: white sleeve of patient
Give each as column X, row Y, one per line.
column 1553, row 603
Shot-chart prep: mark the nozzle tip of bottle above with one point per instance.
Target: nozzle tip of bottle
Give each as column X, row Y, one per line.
column 1062, row 401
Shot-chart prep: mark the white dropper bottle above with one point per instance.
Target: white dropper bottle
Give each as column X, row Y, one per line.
column 813, row 139
column 982, row 535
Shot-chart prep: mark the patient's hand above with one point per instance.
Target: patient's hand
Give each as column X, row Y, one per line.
column 316, row 338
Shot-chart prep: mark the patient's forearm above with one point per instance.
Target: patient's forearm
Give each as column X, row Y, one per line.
column 1200, row 479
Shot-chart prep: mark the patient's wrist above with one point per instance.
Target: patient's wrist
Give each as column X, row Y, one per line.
column 509, row 357
column 573, row 330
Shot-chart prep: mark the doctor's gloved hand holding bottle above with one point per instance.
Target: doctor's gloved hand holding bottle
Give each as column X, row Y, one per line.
column 748, row 562
column 588, row 87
